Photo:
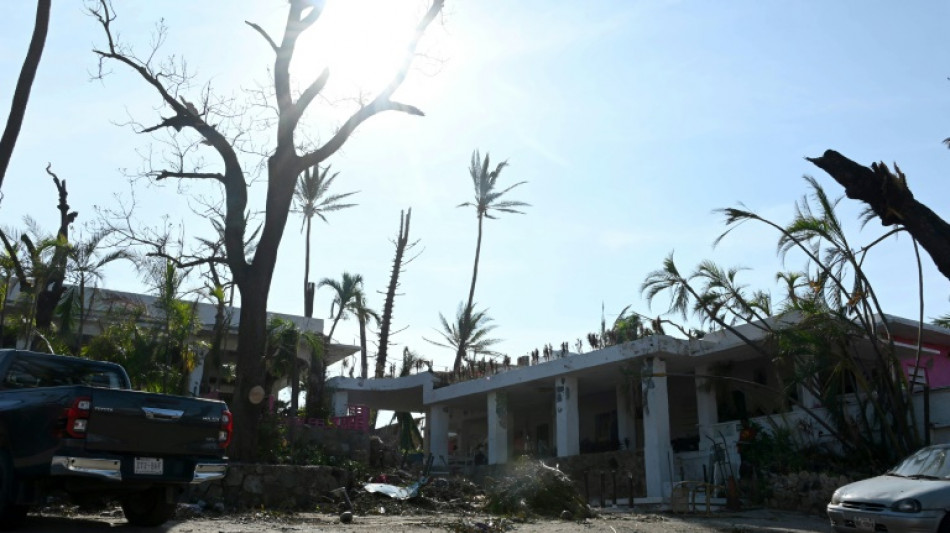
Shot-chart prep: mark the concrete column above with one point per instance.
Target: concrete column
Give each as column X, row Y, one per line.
column 340, row 402
column 657, row 452
column 459, row 437
column 498, row 423
column 437, row 434
column 706, row 411
column 626, row 418
column 808, row 399
column 566, row 417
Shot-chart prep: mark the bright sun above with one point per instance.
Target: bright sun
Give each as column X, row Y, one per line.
column 361, row 41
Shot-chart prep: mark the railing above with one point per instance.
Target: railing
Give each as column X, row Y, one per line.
column 356, row 419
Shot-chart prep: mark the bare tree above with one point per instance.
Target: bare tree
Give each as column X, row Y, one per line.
column 402, row 245
column 53, row 290
column 21, row 95
column 285, row 162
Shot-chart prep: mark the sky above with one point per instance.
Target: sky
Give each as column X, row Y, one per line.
column 631, row 122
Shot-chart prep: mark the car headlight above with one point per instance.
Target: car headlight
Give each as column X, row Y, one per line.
column 836, row 498
column 908, row 505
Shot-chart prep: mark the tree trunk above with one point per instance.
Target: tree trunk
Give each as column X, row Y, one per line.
column 294, row 388
column 53, row 287
column 82, row 314
column 386, row 322
column 465, row 327
column 3, row 310
column 21, row 93
column 364, row 366
column 892, row 201
column 318, row 374
column 250, row 363
column 308, row 290
column 254, row 282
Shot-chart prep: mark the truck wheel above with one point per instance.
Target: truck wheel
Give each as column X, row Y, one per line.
column 147, row 508
column 11, row 515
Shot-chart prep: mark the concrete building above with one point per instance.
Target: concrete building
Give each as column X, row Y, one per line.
column 671, row 401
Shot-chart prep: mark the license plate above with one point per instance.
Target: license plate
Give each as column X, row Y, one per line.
column 148, row 466
column 864, row 523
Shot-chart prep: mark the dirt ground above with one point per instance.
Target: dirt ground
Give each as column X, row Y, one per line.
column 613, row 522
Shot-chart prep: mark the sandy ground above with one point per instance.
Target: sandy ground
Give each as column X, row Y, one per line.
column 612, row 522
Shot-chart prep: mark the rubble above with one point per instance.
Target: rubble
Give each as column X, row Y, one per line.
column 535, row 489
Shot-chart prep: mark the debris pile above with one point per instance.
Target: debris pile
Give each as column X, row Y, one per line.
column 398, row 492
column 533, row 488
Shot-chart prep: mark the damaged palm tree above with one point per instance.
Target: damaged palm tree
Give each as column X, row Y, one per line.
column 487, row 200
column 385, row 324
column 828, row 336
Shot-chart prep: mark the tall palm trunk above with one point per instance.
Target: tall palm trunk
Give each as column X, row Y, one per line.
column 308, row 292
column 364, row 365
column 318, row 373
column 478, row 252
column 308, row 312
column 471, row 297
column 7, row 283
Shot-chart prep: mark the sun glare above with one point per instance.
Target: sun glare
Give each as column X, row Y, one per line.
column 361, row 41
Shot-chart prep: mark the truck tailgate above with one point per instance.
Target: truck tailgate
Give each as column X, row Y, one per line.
column 124, row 421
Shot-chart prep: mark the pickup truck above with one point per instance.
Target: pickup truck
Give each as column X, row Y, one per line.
column 74, row 426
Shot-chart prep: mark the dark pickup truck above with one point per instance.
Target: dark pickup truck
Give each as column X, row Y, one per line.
column 74, row 426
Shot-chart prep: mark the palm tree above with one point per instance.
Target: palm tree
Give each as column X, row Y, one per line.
column 467, row 334
column 311, row 199
column 410, row 438
column 487, row 199
column 363, row 314
column 284, row 340
column 345, row 290
column 37, row 272
column 281, row 352
column 85, row 266
column 834, row 307
column 178, row 321
column 7, row 268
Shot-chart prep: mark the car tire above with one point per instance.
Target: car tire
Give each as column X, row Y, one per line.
column 148, row 508
column 11, row 514
column 944, row 524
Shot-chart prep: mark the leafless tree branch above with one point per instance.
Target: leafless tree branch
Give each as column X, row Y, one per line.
column 164, row 174
column 264, row 34
column 382, row 101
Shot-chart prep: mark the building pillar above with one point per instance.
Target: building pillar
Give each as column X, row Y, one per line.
column 459, row 439
column 707, row 413
column 657, row 452
column 437, row 434
column 340, row 402
column 626, row 418
column 566, row 417
column 498, row 423
column 808, row 399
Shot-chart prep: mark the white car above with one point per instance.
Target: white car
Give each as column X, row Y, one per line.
column 914, row 496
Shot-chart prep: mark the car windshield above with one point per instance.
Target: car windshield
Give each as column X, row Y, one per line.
column 929, row 463
column 29, row 372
